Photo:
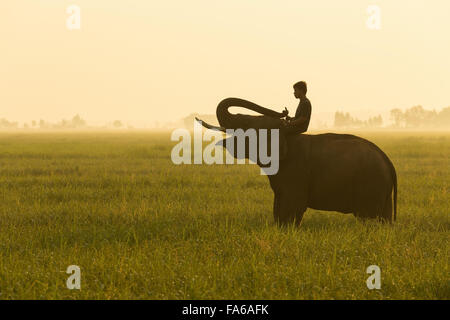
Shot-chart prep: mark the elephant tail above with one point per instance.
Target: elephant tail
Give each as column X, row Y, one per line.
column 394, row 182
column 394, row 176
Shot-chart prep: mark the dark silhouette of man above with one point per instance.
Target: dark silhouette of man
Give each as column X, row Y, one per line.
column 300, row 122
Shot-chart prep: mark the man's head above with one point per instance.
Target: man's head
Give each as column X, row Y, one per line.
column 300, row 89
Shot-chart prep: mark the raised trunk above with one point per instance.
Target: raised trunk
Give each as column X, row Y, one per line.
column 235, row 121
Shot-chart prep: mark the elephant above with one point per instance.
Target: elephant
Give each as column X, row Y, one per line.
column 330, row 172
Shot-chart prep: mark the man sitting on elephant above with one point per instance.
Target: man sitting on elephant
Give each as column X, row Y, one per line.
column 300, row 122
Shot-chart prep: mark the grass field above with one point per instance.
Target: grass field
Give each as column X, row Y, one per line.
column 141, row 227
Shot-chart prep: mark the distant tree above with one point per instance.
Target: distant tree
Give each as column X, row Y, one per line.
column 42, row 124
column 417, row 116
column 345, row 120
column 342, row 119
column 414, row 116
column 430, row 118
column 398, row 117
column 65, row 124
column 380, row 121
column 78, row 122
column 117, row 124
column 374, row 122
column 8, row 124
column 443, row 117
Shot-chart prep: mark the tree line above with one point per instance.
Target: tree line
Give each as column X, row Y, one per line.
column 414, row 117
column 345, row 120
column 75, row 123
column 417, row 116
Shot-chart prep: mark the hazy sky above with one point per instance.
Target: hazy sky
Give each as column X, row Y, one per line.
column 142, row 61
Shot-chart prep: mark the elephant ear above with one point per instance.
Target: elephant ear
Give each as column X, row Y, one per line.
column 232, row 142
column 279, row 140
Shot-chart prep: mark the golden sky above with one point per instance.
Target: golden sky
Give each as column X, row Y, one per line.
column 143, row 60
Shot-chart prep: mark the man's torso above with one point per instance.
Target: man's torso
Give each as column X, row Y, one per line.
column 304, row 110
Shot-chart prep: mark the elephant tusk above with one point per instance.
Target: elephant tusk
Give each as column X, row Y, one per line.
column 209, row 126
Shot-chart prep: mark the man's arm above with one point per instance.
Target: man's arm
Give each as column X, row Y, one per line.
column 298, row 121
column 296, row 124
column 302, row 118
column 279, row 115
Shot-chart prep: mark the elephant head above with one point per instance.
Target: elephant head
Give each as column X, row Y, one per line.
column 238, row 124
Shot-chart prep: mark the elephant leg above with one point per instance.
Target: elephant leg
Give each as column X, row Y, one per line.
column 290, row 208
column 299, row 216
column 276, row 206
column 386, row 215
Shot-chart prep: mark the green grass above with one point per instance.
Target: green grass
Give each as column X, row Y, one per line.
column 141, row 227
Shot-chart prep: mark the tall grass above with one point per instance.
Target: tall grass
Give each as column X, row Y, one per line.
column 141, row 227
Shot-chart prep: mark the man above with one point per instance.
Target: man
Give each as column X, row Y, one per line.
column 300, row 122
